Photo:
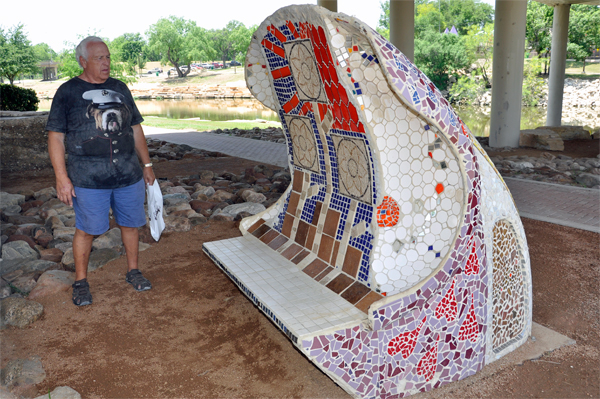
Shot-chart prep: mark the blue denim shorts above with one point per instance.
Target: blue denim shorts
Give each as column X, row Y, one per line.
column 92, row 207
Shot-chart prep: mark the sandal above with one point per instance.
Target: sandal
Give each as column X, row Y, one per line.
column 81, row 293
column 137, row 280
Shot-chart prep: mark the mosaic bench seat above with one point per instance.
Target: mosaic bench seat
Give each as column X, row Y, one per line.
column 396, row 260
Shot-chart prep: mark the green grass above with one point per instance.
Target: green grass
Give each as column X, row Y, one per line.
column 202, row 126
column 575, row 69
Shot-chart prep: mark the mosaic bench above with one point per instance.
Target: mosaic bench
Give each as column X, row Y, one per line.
column 396, row 260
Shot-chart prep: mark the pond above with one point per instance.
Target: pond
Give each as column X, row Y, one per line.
column 476, row 118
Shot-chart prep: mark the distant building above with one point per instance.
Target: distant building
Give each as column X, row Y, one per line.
column 49, row 70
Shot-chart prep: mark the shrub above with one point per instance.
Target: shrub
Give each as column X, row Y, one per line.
column 467, row 89
column 13, row 98
column 533, row 84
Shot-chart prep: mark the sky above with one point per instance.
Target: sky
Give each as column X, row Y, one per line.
column 60, row 21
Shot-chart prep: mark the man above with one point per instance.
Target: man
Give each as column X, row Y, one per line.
column 95, row 121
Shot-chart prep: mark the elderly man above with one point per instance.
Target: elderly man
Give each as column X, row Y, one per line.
column 95, row 121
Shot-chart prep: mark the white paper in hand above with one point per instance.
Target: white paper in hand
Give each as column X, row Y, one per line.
column 155, row 209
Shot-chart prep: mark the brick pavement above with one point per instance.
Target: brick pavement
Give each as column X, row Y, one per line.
column 564, row 205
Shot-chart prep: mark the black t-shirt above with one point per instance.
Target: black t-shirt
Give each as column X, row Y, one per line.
column 96, row 120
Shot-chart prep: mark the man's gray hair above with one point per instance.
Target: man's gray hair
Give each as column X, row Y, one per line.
column 81, row 50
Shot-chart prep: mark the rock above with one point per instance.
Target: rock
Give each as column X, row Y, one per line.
column 175, row 199
column 25, row 282
column 200, row 196
column 588, row 179
column 37, row 265
column 6, row 394
column 54, row 222
column 5, row 290
column 64, row 233
column 568, row 132
column 7, row 200
column 543, row 139
column 197, row 219
column 206, row 175
column 179, row 207
column 175, row 190
column 70, row 222
column 28, row 229
column 53, row 203
column 20, row 219
column 15, row 254
column 20, row 372
column 45, row 194
column 31, row 204
column 208, row 191
column 101, row 257
column 21, row 237
column 110, row 239
column 177, row 223
column 63, row 245
column 62, row 393
column 51, row 254
column 232, row 210
column 252, row 196
column 19, row 312
column 68, row 260
column 187, row 213
column 52, row 282
column 519, row 165
column 201, row 205
column 222, row 195
column 142, row 246
column 221, row 218
column 66, row 211
column 11, row 210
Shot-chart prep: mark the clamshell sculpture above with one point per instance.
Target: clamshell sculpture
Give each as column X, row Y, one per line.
column 396, row 260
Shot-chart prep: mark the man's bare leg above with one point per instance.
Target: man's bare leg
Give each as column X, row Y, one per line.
column 131, row 237
column 82, row 246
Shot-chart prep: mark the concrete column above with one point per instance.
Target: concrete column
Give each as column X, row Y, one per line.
column 507, row 76
column 402, row 26
column 331, row 5
column 558, row 61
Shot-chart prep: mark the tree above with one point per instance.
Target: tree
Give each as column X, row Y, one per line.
column 439, row 55
column 43, row 52
column 537, row 30
column 428, row 18
column 16, row 53
column 231, row 41
column 463, row 14
column 584, row 31
column 128, row 48
column 179, row 41
column 479, row 44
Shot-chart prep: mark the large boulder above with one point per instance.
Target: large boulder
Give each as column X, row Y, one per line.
column 20, row 372
column 19, row 312
column 52, row 282
column 588, row 179
column 45, row 194
column 176, row 223
column 7, row 199
column 543, row 139
column 101, row 257
column 232, row 210
column 110, row 239
column 15, row 254
column 568, row 132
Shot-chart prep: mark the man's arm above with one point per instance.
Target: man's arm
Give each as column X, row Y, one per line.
column 56, row 149
column 141, row 148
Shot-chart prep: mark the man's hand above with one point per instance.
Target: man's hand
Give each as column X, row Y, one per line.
column 149, row 176
column 65, row 190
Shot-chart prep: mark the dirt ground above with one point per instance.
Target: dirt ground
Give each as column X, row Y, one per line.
column 195, row 335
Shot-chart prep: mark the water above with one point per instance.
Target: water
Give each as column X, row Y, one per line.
column 476, row 118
